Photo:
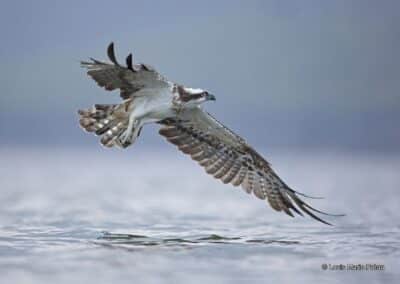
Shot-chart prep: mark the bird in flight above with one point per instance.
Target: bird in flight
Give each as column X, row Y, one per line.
column 148, row 97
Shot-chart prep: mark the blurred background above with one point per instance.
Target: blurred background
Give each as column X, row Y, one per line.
column 312, row 85
column 286, row 73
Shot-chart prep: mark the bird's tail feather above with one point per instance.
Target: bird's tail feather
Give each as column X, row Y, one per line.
column 108, row 121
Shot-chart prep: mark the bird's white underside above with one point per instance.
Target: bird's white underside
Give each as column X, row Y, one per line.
column 149, row 106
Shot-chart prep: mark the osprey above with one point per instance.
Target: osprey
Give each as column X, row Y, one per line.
column 148, row 97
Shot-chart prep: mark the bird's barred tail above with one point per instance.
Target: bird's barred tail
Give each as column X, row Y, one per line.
column 107, row 121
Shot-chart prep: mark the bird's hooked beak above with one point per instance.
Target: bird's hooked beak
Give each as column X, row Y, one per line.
column 210, row 97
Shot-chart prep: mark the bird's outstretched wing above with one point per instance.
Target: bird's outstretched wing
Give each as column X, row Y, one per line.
column 129, row 79
column 227, row 157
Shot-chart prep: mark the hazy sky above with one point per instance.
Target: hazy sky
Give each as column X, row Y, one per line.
column 285, row 73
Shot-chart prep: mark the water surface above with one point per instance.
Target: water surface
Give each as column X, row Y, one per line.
column 98, row 216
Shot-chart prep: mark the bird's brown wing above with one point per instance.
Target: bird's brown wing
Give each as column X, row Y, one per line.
column 227, row 157
column 128, row 79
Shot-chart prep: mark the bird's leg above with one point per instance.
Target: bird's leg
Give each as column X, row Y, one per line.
column 136, row 129
column 127, row 135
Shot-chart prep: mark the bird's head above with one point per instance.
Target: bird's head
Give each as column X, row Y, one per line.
column 194, row 97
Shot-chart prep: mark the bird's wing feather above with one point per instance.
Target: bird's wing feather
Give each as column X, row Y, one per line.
column 227, row 157
column 129, row 80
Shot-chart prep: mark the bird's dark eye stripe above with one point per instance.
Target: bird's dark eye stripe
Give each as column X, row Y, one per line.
column 196, row 96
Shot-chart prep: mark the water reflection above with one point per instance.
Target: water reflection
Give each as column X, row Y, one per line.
column 134, row 240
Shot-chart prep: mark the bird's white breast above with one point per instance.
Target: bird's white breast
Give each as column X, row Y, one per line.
column 153, row 105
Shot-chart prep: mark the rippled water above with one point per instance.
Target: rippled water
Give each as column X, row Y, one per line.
column 127, row 216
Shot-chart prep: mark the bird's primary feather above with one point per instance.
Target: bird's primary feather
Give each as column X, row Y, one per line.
column 227, row 157
column 129, row 80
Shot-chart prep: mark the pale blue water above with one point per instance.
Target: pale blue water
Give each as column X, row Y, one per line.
column 100, row 216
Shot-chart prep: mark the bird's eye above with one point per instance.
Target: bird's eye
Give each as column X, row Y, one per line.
column 205, row 94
